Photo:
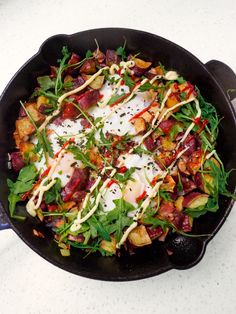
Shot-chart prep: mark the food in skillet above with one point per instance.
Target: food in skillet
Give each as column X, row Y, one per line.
column 115, row 151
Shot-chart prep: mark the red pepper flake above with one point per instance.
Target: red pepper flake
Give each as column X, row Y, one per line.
column 71, row 140
column 140, row 197
column 100, row 96
column 204, row 123
column 111, row 182
column 122, row 169
column 197, row 121
column 122, row 82
column 140, row 113
column 154, row 180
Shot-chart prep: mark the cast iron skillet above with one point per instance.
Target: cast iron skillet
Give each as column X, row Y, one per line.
column 213, row 79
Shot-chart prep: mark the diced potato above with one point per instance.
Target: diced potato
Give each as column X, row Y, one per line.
column 41, row 100
column 95, row 158
column 147, row 116
column 139, row 236
column 140, row 125
column 154, row 108
column 194, row 162
column 109, row 246
column 168, row 184
column 208, row 183
column 179, row 203
column 34, row 113
column 68, row 78
column 172, row 101
column 141, row 63
column 26, row 148
column 24, row 128
column 68, row 205
column 97, row 83
column 167, row 144
column 158, row 70
column 195, row 199
column 183, row 86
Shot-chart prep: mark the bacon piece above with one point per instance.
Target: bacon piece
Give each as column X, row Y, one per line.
column 111, row 57
column 150, row 144
column 17, row 161
column 87, row 99
column 77, row 182
column 154, row 233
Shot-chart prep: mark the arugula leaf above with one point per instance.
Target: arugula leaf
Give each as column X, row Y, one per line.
column 126, row 176
column 53, row 195
column 89, row 54
column 147, row 86
column 120, row 51
column 128, row 81
column 118, row 216
column 140, row 150
column 176, row 129
column 45, row 82
column 79, row 155
column 23, row 184
column 179, row 185
column 155, row 222
column 115, row 98
column 46, row 143
column 165, row 195
column 62, row 66
column 180, row 80
column 97, row 228
column 105, row 141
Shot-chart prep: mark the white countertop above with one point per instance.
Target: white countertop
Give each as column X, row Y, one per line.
column 29, row 284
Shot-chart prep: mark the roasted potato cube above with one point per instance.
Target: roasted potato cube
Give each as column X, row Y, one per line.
column 179, row 203
column 139, row 236
column 195, row 199
column 109, row 246
column 154, row 108
column 24, row 128
column 34, row 113
column 97, row 83
column 168, row 184
column 141, row 63
column 26, row 148
column 167, row 144
column 172, row 101
column 147, row 116
column 140, row 125
column 95, row 158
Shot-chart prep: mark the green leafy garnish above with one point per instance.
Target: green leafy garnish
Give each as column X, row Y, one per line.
column 79, row 155
column 24, row 183
column 126, row 176
column 128, row 81
column 89, row 54
column 115, row 98
column 120, row 51
column 45, row 82
column 62, row 66
column 53, row 195
column 118, row 216
column 97, row 228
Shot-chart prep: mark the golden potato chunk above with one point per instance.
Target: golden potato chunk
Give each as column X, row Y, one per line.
column 147, row 116
column 139, row 236
column 109, row 246
column 140, row 125
column 24, row 128
column 168, row 184
column 34, row 113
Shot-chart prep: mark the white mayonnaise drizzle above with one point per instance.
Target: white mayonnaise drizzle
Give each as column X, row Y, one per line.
column 31, row 206
column 198, row 115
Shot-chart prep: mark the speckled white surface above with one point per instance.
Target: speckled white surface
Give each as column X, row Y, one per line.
column 28, row 284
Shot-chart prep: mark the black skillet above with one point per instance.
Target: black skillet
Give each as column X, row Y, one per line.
column 215, row 81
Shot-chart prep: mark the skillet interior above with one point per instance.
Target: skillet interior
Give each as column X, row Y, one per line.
column 151, row 260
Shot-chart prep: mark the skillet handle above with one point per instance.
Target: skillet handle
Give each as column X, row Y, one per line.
column 225, row 77
column 3, row 219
